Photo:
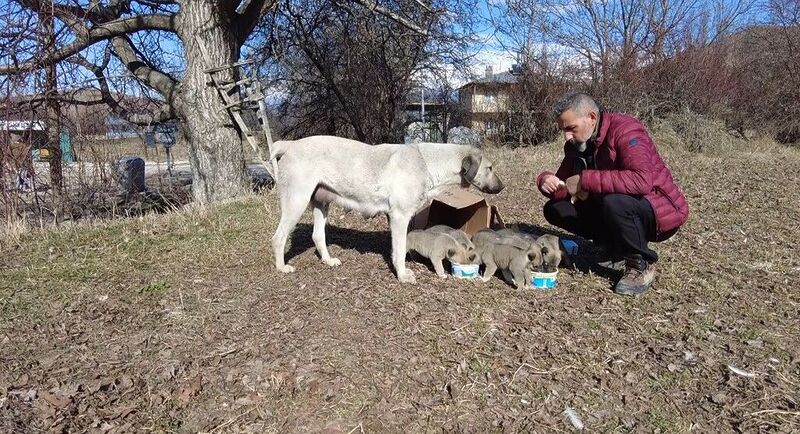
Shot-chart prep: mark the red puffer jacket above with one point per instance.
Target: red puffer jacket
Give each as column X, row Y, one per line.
column 627, row 161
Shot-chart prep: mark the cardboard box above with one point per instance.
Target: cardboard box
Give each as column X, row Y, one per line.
column 461, row 209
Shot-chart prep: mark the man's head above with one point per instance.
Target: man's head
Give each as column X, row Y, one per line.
column 577, row 117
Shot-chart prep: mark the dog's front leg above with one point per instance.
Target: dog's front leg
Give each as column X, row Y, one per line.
column 491, row 268
column 438, row 266
column 518, row 277
column 399, row 227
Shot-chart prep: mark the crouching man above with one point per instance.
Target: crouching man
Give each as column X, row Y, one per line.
column 612, row 187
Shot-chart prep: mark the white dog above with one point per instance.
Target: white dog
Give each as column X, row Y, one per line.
column 392, row 179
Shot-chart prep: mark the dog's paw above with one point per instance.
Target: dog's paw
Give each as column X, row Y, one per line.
column 286, row 269
column 333, row 262
column 486, row 278
column 407, row 277
column 442, row 276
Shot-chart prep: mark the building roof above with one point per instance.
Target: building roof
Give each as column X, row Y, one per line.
column 21, row 125
column 505, row 77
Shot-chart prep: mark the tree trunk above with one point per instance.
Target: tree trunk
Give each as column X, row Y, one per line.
column 215, row 146
column 53, row 113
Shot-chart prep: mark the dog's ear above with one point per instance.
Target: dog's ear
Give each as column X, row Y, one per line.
column 470, row 165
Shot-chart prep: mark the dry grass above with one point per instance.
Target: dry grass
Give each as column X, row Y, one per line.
column 179, row 322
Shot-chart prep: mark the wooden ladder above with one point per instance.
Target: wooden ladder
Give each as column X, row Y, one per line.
column 240, row 95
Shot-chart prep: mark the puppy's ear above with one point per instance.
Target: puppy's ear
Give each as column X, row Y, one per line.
column 470, row 165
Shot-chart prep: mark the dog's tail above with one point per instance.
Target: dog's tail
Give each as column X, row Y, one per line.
column 276, row 151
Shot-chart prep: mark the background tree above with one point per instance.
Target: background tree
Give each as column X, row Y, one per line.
column 143, row 37
column 347, row 71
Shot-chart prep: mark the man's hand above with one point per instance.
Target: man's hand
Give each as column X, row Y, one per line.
column 551, row 184
column 573, row 184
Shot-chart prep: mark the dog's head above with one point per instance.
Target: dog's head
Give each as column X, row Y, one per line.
column 477, row 170
column 550, row 259
column 534, row 254
column 463, row 255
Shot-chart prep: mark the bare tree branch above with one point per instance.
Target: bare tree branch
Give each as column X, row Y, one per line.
column 96, row 34
column 252, row 11
column 154, row 78
column 167, row 111
column 374, row 6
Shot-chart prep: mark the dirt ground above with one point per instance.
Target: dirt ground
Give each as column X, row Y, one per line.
column 180, row 323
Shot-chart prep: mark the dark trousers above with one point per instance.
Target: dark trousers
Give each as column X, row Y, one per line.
column 621, row 223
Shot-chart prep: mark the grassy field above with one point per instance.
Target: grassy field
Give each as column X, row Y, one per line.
column 179, row 322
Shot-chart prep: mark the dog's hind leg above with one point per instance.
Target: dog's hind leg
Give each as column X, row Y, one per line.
column 320, row 219
column 399, row 226
column 509, row 276
column 293, row 204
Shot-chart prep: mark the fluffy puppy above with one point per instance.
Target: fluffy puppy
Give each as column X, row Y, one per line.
column 437, row 248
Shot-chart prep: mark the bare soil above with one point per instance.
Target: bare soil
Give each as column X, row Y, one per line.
column 180, row 323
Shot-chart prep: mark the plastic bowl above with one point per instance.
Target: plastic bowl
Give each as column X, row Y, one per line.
column 544, row 280
column 464, row 271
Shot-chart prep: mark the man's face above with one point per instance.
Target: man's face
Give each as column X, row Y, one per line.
column 577, row 128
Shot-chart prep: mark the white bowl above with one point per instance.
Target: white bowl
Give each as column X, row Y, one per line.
column 464, row 271
column 544, row 280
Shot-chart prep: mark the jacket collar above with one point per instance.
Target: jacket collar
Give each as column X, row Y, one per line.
column 601, row 130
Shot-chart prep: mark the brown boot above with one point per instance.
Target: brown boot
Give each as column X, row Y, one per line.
column 639, row 275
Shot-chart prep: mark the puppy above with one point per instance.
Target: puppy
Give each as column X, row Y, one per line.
column 458, row 234
column 513, row 233
column 502, row 236
column 516, row 263
column 437, row 247
column 553, row 253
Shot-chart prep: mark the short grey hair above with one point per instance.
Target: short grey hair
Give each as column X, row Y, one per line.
column 580, row 103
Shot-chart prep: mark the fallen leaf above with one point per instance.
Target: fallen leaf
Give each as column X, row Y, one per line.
column 186, row 392
column 719, row 398
column 125, row 382
column 57, row 401
column 758, row 343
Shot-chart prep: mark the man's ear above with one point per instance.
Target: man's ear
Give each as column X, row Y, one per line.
column 470, row 165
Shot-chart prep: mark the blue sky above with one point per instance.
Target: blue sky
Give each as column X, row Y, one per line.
column 488, row 51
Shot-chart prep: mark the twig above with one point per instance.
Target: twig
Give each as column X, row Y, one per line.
column 354, row 429
column 534, row 371
column 781, row 412
column 460, row 328
column 230, row 422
